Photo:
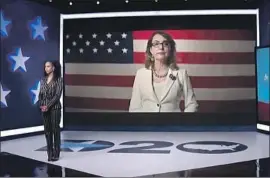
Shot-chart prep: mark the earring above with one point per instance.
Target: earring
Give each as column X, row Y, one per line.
column 152, row 59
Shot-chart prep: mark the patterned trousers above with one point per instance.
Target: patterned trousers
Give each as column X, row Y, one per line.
column 52, row 130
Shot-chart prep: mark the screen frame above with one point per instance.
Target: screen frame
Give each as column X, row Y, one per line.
column 163, row 13
column 261, row 125
column 127, row 14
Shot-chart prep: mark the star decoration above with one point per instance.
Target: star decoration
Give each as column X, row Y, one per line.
column 4, row 24
column 116, row 43
column 124, row 35
column 81, row 145
column 67, row 36
column 109, row 50
column 38, row 29
column 266, row 77
column 103, row 46
column 87, row 43
column 35, row 90
column 4, row 93
column 19, row 60
column 101, row 43
column 76, row 147
column 124, row 50
column 109, row 35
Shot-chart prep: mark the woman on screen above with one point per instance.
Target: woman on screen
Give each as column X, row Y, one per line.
column 160, row 85
column 49, row 102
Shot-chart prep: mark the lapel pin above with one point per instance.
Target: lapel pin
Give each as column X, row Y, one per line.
column 172, row 77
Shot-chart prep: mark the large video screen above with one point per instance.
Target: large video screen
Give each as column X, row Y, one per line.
column 263, row 65
column 193, row 64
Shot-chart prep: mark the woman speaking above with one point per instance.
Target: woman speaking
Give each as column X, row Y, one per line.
column 160, row 85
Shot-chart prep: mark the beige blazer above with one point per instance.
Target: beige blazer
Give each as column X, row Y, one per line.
column 144, row 99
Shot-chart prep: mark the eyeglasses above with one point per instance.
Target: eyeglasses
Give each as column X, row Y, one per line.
column 164, row 44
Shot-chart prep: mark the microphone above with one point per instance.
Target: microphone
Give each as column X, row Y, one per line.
column 172, row 77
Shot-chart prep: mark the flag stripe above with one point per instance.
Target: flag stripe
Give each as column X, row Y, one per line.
column 200, row 34
column 206, row 58
column 103, row 105
column 195, row 46
column 125, row 92
column 130, row 69
column 127, row 81
column 264, row 111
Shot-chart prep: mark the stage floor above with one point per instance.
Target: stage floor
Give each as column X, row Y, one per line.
column 160, row 153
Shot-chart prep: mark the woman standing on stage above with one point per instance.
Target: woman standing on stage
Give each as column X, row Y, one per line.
column 49, row 101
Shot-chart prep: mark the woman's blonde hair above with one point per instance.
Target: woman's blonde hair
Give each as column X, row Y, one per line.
column 171, row 61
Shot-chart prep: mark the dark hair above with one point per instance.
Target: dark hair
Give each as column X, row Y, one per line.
column 171, row 62
column 57, row 69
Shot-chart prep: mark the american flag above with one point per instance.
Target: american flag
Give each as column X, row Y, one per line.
column 100, row 68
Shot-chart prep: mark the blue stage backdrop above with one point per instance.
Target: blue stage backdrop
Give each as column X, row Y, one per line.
column 29, row 35
column 264, row 23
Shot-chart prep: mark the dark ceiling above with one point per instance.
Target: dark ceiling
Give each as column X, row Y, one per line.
column 83, row 6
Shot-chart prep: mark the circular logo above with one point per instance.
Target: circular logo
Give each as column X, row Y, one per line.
column 212, row 147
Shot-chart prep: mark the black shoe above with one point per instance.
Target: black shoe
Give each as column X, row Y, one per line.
column 55, row 159
column 55, row 156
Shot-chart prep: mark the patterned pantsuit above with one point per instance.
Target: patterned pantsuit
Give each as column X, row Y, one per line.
column 52, row 130
column 49, row 97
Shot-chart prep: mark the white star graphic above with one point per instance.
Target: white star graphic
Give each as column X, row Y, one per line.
column 94, row 35
column 266, row 77
column 95, row 50
column 124, row 50
column 87, row 43
column 109, row 50
column 38, row 29
column 109, row 35
column 4, row 24
column 124, row 35
column 79, row 148
column 68, row 50
column 4, row 93
column 74, row 43
column 67, row 36
column 101, row 43
column 80, row 36
column 116, row 43
column 36, row 91
column 81, row 50
column 19, row 60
